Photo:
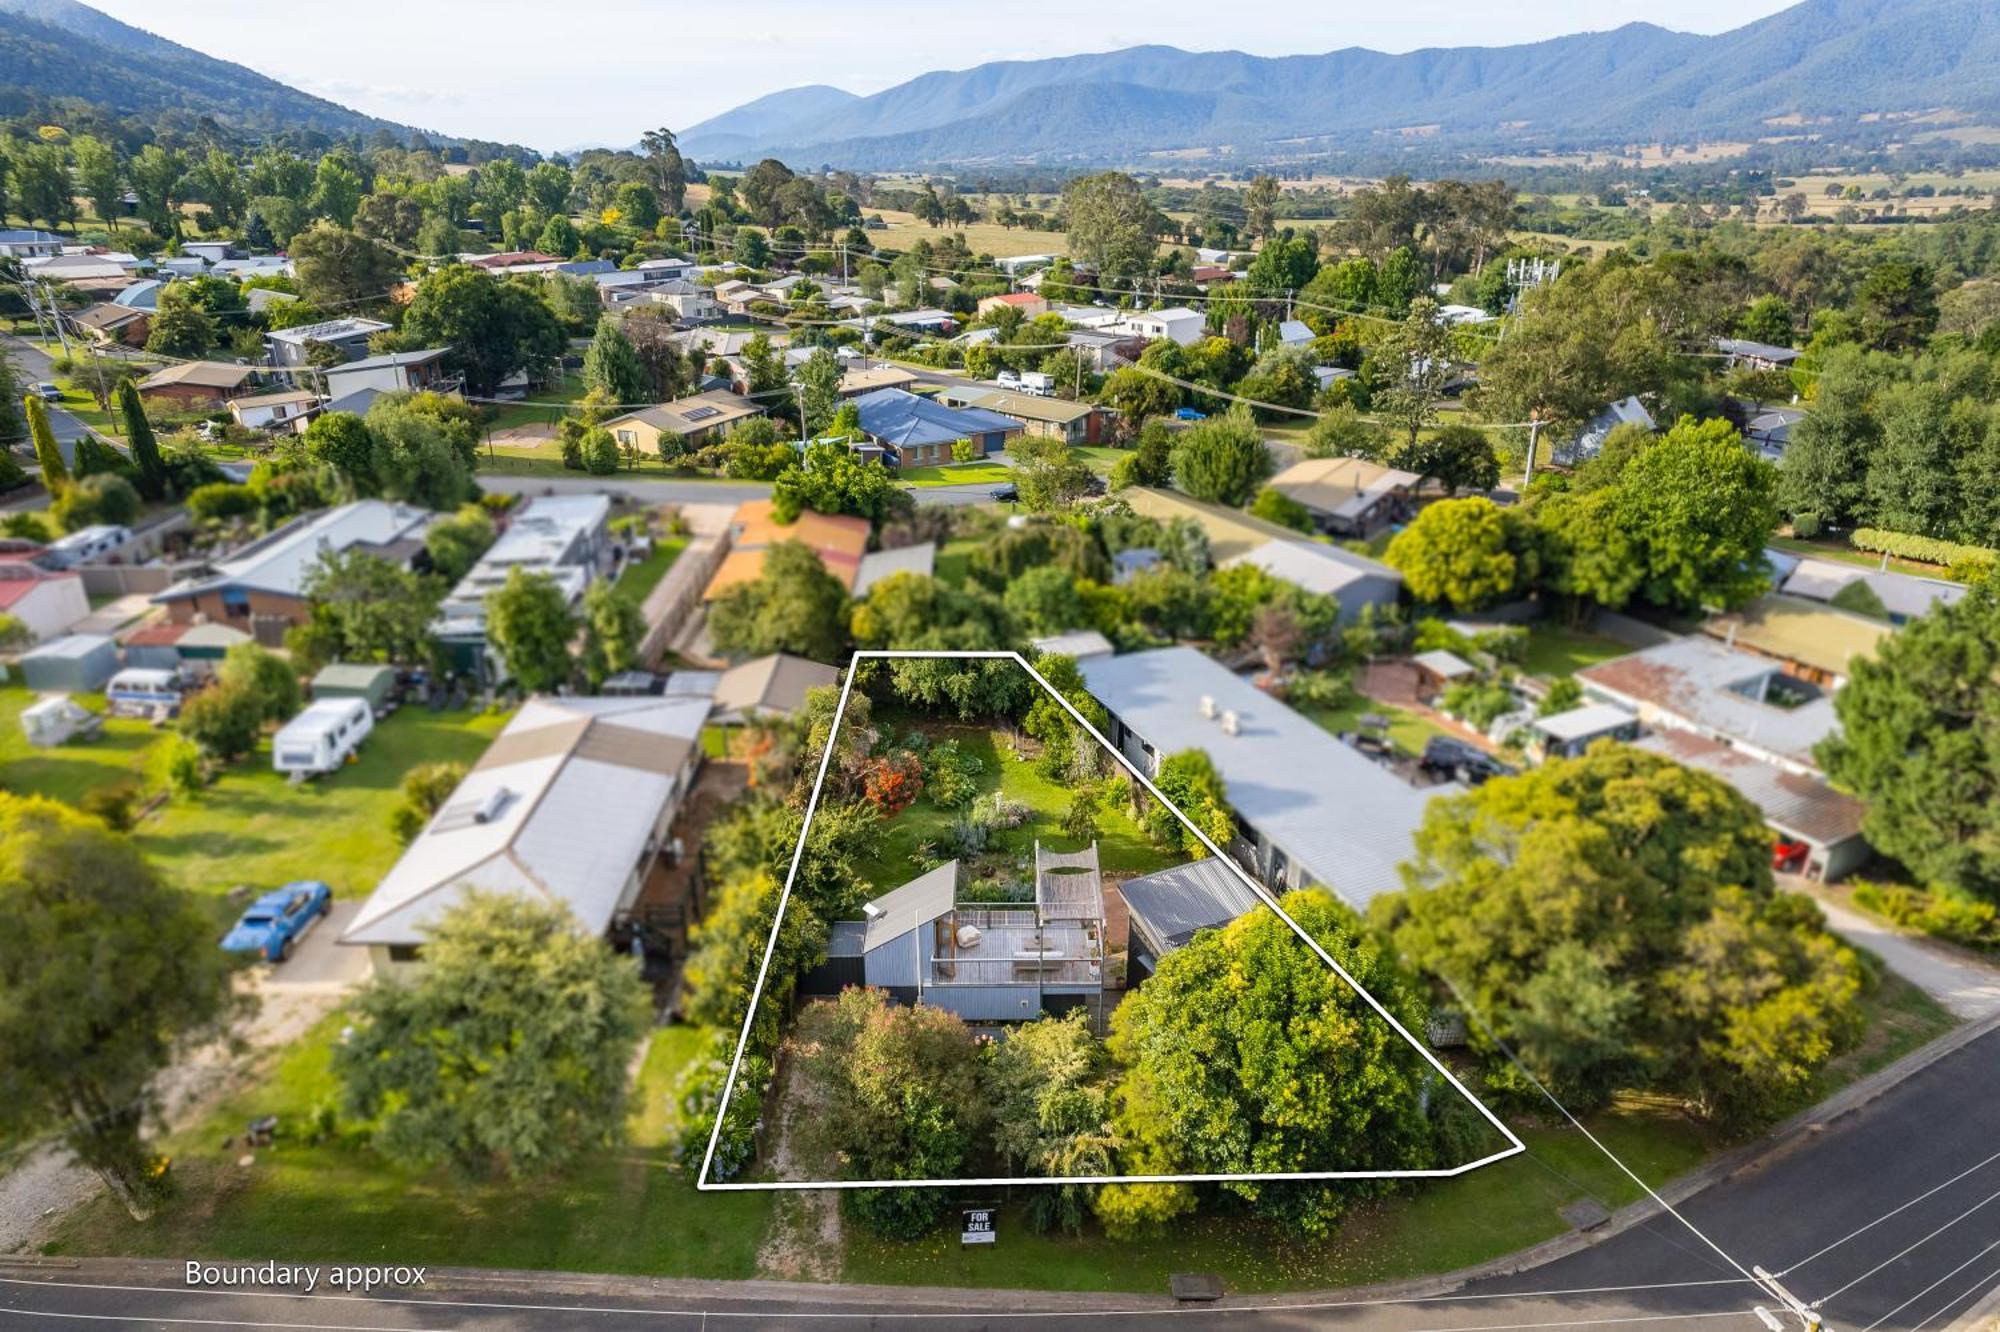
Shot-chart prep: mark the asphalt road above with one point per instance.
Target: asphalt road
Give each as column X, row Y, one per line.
column 34, row 366
column 696, row 492
column 1890, row 1218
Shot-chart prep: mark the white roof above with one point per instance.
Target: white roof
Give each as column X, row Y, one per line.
column 576, row 787
column 1346, row 820
column 1315, row 566
column 1714, row 689
column 917, row 903
column 280, row 562
column 1444, row 664
column 1580, row 723
column 1077, row 644
column 319, row 716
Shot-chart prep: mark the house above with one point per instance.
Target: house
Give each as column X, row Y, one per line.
column 1077, row 644
column 1820, row 827
column 349, row 337
column 1589, row 440
column 840, row 541
column 197, row 385
column 1355, row 581
column 668, row 268
column 393, row 372
column 1569, row 734
column 1349, row 497
column 265, row 301
column 25, row 243
column 1814, row 641
column 910, row 321
column 694, row 421
column 1326, row 376
column 1029, row 303
column 1456, row 315
column 1295, row 333
column 1103, row 352
column 140, row 294
column 1439, row 669
column 261, row 587
column 209, row 252
column 76, row 664
column 1769, row 429
column 287, row 409
column 1706, row 687
column 255, row 266
column 570, row 804
column 1208, row 275
column 1310, row 809
column 1167, row 909
column 688, row 300
column 855, row 382
column 986, row 962
column 46, row 601
column 1176, row 323
column 564, row 537
column 513, row 259
column 1045, row 418
column 1742, row 354
column 914, row 431
column 164, row 644
column 110, row 324
column 773, row 686
column 1883, row 593
column 919, row 558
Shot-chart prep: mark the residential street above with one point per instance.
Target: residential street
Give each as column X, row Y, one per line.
column 1881, row 1217
column 34, row 365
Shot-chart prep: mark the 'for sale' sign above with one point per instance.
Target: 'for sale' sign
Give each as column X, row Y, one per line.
column 978, row 1226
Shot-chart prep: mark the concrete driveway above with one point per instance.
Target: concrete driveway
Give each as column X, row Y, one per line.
column 1966, row 986
column 319, row 963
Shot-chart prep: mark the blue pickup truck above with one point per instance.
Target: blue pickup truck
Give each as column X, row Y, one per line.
column 272, row 926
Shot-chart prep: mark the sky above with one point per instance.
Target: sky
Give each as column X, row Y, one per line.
column 588, row 72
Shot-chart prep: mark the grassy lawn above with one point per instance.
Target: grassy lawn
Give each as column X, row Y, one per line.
column 629, row 1210
column 957, row 474
column 70, row 771
column 1408, row 731
column 954, row 561
column 1554, row 651
column 252, row 827
column 529, row 460
column 637, row 580
column 76, row 400
column 515, row 414
column 1122, row 845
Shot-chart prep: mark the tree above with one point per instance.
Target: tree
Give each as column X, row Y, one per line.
column 1246, row 1054
column 1051, row 1103
column 103, row 498
column 612, row 630
column 1275, row 506
column 226, row 721
column 506, row 1053
column 1460, row 457
column 1151, row 461
column 419, row 455
column 793, row 606
column 1137, row 395
column 529, row 620
column 1897, row 304
column 342, row 441
column 156, row 178
column 1285, row 263
column 265, row 677
column 612, row 365
column 1605, row 915
column 1413, row 365
column 98, row 176
column 180, row 326
column 898, row 1091
column 455, row 544
column 1191, row 784
column 1048, row 475
column 106, row 969
column 1341, row 433
column 493, row 328
column 818, row 384
column 1699, row 507
column 1767, row 320
column 831, row 479
column 664, row 168
column 1110, row 225
column 1457, row 552
column 339, row 269
column 1913, row 720
column 139, row 440
column 366, row 608
column 337, row 189
column 1222, row 460
column 55, row 473
column 424, row 790
column 1260, row 212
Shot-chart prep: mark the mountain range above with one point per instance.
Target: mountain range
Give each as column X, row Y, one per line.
column 1822, row 66
column 51, row 49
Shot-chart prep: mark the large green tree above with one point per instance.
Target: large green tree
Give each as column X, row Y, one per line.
column 494, row 328
column 1459, row 553
column 1110, row 225
column 55, row 473
column 1918, row 721
column 105, row 970
column 831, row 479
column 1222, row 460
column 508, row 1051
column 612, row 366
column 340, row 269
column 152, row 469
column 794, row 605
column 1699, row 507
column 1246, row 1054
column 1612, row 919
column 529, row 620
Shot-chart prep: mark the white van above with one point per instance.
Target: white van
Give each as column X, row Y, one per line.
column 139, row 691
column 86, row 546
column 322, row 737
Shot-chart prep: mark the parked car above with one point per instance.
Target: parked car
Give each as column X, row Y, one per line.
column 1006, row 494
column 272, row 926
column 1189, row 414
column 1470, row 764
column 48, row 392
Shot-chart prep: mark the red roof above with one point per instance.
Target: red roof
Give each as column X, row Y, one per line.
column 161, row 633
column 513, row 257
column 1018, row 298
column 18, row 578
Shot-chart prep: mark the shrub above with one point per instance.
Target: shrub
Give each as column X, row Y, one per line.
column 1924, row 550
column 425, row 789
column 1275, row 506
column 104, row 498
column 698, row 1093
column 951, row 775
column 1318, row 689
column 1969, row 921
column 892, row 784
column 115, row 805
column 1478, row 702
column 997, row 812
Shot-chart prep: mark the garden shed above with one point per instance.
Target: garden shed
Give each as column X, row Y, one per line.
column 347, row 679
column 77, row 664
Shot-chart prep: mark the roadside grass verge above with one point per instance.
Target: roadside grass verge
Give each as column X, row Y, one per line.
column 314, row 1198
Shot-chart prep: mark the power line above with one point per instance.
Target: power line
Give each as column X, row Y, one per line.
column 1893, row 1212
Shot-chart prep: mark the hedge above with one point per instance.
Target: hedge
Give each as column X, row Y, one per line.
column 1925, row 550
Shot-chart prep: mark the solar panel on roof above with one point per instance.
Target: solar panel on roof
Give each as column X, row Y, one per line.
column 700, row 413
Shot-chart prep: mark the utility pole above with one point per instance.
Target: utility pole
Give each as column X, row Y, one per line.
column 1805, row 1313
column 1534, row 430
column 55, row 317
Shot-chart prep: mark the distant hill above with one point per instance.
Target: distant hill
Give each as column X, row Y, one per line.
column 62, row 49
column 1830, row 61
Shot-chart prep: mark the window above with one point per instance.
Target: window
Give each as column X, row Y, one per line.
column 625, row 437
column 235, row 601
column 405, row 952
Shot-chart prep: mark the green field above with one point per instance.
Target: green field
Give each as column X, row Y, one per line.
column 958, row 474
column 71, row 771
column 1554, row 651
column 332, row 1199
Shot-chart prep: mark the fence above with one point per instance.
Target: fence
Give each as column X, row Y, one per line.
column 678, row 597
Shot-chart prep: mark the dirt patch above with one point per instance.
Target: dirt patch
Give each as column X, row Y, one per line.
column 803, row 1242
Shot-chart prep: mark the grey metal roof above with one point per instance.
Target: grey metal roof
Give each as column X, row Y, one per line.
column 1580, row 723
column 1316, row 566
column 1800, row 806
column 1710, row 687
column 1346, row 820
column 1170, row 906
column 918, row 902
column 1903, row 596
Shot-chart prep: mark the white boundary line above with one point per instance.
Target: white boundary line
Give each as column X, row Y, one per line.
column 703, row 1182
